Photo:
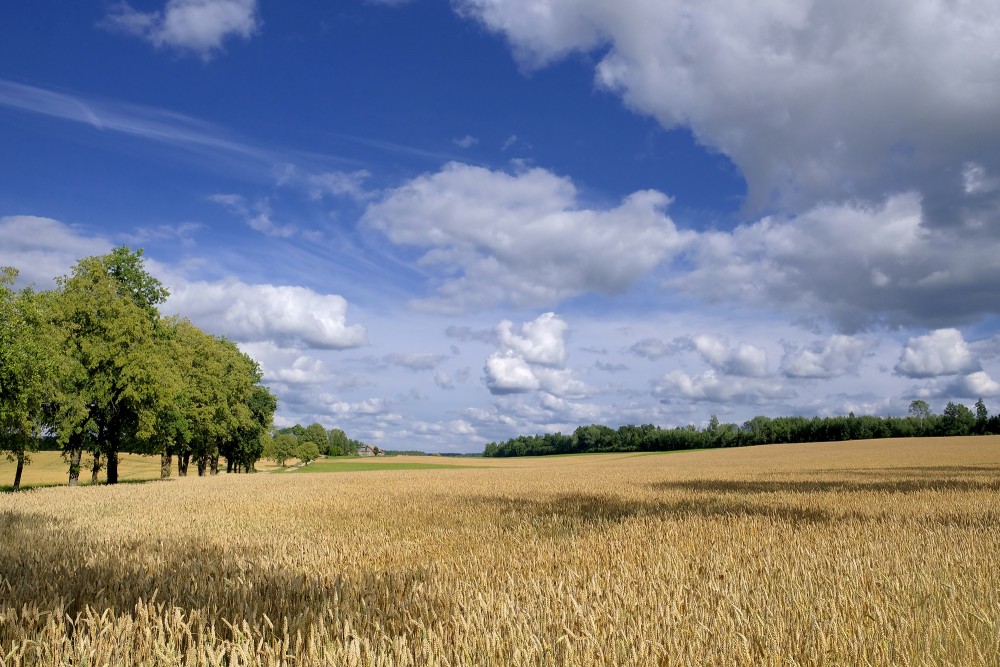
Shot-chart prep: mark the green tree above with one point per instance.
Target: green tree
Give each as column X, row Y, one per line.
column 284, row 447
column 919, row 409
column 982, row 416
column 337, row 442
column 25, row 371
column 317, row 434
column 106, row 314
column 307, row 451
column 957, row 419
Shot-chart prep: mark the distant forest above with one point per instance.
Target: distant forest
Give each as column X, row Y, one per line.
column 957, row 419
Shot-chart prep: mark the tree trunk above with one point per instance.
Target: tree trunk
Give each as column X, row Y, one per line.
column 202, row 465
column 20, row 469
column 112, row 467
column 229, row 466
column 96, row 468
column 182, row 464
column 214, row 464
column 74, row 466
column 166, row 458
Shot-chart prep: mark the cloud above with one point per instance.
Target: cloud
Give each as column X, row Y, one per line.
column 468, row 141
column 198, row 26
column 522, row 238
column 338, row 184
column 973, row 385
column 257, row 215
column 813, row 101
column 541, row 341
column 42, row 248
column 744, row 360
column 854, row 264
column 941, row 352
column 713, row 387
column 532, row 359
column 286, row 314
column 286, row 365
column 836, row 356
column 652, row 348
column 416, row 362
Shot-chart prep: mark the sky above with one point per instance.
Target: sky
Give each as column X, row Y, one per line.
column 440, row 224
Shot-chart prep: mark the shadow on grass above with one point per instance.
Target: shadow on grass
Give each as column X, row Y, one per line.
column 565, row 513
column 54, row 485
column 883, row 485
column 53, row 565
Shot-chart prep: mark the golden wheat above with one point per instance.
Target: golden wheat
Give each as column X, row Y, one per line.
column 872, row 553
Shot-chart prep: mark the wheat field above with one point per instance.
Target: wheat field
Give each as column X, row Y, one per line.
column 860, row 553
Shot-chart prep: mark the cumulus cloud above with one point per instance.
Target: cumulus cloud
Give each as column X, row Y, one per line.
column 973, row 385
column 197, row 26
column 836, row 356
column 522, row 238
column 743, row 360
column 941, row 352
column 811, row 100
column 855, row 264
column 286, row 314
column 286, row 365
column 42, row 248
column 713, row 387
column 532, row 359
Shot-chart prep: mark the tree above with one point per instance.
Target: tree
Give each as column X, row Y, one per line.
column 982, row 416
column 284, row 447
column 919, row 409
column 307, row 451
column 316, row 434
column 957, row 419
column 25, row 370
column 106, row 318
column 337, row 442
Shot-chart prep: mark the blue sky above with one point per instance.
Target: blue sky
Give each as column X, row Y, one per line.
column 438, row 224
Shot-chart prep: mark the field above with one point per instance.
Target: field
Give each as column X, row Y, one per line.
column 859, row 553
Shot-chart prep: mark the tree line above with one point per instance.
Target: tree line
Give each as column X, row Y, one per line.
column 309, row 443
column 956, row 420
column 93, row 366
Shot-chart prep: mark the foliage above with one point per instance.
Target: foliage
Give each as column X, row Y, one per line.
column 957, row 420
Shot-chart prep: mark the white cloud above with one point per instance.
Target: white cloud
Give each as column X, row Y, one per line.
column 713, row 387
column 43, row 248
column 533, row 359
column 941, row 352
column 855, row 264
column 468, row 141
column 338, row 184
column 285, row 314
column 541, row 341
column 508, row 374
column 836, row 356
column 973, row 385
column 744, row 360
column 522, row 238
column 286, row 365
column 257, row 215
column 199, row 26
column 811, row 100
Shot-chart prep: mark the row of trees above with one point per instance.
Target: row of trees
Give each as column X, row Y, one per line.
column 95, row 366
column 957, row 419
column 309, row 443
